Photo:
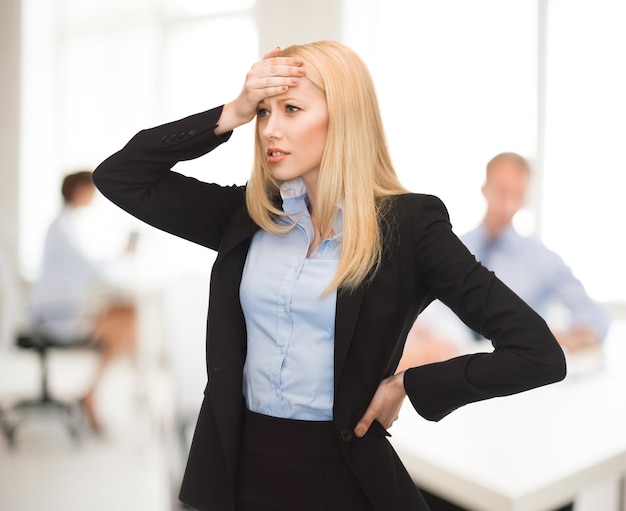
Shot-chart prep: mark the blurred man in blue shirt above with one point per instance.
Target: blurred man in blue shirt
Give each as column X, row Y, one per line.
column 533, row 271
column 537, row 274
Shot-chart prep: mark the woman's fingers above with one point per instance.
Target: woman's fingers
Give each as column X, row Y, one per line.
column 384, row 406
column 267, row 82
column 271, row 53
column 269, row 77
column 277, row 67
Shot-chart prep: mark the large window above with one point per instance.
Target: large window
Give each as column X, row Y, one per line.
column 462, row 81
column 458, row 82
column 585, row 160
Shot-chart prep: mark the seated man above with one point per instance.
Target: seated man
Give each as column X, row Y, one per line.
column 538, row 275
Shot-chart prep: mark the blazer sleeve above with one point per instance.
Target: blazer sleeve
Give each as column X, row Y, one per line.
column 526, row 354
column 139, row 179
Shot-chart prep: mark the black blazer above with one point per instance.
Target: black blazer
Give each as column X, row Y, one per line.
column 423, row 260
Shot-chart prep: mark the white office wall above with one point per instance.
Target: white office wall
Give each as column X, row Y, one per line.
column 457, row 85
column 10, row 47
column 462, row 81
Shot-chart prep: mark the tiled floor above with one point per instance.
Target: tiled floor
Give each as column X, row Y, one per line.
column 131, row 467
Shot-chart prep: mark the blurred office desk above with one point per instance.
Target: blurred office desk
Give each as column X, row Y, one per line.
column 534, row 451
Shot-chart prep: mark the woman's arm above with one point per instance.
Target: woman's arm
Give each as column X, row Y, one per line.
column 526, row 354
column 139, row 178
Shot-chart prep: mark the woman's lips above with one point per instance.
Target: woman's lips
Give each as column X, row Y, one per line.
column 276, row 155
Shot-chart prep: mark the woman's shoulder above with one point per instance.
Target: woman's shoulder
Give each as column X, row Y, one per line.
column 418, row 203
column 414, row 213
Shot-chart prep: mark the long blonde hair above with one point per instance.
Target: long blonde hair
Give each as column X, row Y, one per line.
column 356, row 170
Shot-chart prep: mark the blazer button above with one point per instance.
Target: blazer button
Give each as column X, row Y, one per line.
column 346, row 434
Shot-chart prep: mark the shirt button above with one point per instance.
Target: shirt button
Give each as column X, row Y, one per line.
column 346, row 434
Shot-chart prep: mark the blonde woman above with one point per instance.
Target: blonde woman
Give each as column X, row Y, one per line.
column 324, row 261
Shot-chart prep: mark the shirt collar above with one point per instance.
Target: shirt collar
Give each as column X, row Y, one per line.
column 295, row 204
column 293, row 194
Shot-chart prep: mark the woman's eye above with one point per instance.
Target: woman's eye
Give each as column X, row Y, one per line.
column 291, row 109
column 263, row 112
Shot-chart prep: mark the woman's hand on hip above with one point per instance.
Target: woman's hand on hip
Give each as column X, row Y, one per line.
column 385, row 405
column 269, row 77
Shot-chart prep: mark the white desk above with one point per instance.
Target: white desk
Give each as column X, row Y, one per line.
column 529, row 452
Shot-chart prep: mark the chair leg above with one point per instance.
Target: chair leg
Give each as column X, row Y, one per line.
column 8, row 428
column 75, row 420
column 72, row 411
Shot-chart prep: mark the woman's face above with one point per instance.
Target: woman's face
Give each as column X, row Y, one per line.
column 293, row 128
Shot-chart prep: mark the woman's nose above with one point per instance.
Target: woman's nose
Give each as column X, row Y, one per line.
column 271, row 129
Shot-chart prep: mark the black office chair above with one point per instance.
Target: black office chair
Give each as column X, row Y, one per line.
column 71, row 411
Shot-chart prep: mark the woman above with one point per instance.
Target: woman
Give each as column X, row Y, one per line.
column 324, row 261
column 73, row 299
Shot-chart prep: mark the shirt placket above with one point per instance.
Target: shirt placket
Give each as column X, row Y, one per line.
column 285, row 318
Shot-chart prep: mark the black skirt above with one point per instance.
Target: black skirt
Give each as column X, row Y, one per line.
column 294, row 465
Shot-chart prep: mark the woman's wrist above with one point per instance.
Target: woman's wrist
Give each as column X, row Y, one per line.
column 398, row 382
column 230, row 119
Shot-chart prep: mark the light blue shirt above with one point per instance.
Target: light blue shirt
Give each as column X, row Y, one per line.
column 289, row 366
column 538, row 275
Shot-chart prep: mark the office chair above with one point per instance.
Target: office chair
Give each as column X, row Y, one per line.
column 70, row 410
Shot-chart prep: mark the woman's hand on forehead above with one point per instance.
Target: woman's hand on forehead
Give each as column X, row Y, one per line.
column 271, row 76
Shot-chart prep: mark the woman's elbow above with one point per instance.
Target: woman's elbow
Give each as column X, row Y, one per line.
column 555, row 366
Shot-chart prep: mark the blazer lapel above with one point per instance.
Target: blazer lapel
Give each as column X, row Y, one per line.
column 231, row 348
column 240, row 229
column 348, row 307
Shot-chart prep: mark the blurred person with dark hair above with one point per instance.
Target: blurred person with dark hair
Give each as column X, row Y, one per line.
column 72, row 301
